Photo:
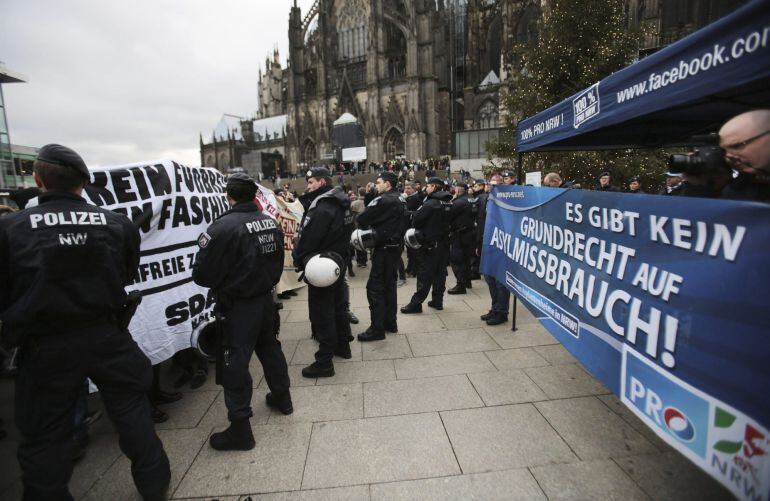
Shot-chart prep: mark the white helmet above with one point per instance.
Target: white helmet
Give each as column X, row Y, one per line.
column 363, row 239
column 323, row 270
column 413, row 238
column 205, row 339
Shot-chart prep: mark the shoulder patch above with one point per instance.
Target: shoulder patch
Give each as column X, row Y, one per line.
column 203, row 240
column 374, row 202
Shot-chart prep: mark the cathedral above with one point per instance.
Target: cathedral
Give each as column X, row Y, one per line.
column 418, row 79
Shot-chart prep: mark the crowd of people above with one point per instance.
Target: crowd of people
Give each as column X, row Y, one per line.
column 64, row 305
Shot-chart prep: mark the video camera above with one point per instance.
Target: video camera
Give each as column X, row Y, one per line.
column 708, row 159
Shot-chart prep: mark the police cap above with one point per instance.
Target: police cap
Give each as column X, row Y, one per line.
column 389, row 177
column 61, row 155
column 240, row 178
column 436, row 180
column 509, row 173
column 634, row 179
column 480, row 182
column 462, row 185
column 318, row 172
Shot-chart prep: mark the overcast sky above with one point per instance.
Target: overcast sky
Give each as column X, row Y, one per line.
column 124, row 82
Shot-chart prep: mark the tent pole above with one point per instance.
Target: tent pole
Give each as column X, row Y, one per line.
column 519, row 172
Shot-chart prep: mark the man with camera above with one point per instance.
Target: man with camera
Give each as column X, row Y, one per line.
column 745, row 139
column 63, row 268
column 385, row 215
column 704, row 172
column 241, row 260
column 325, row 229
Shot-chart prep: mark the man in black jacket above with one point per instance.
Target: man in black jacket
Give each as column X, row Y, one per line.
column 432, row 220
column 463, row 225
column 385, row 215
column 63, row 268
column 241, row 260
column 413, row 202
column 326, row 227
column 478, row 201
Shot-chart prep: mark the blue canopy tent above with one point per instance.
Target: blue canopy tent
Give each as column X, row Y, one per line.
column 688, row 88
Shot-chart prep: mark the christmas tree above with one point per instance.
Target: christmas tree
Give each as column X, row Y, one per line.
column 579, row 42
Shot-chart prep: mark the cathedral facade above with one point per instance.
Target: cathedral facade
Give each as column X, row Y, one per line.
column 421, row 78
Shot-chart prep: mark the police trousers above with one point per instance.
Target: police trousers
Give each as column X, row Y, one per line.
column 329, row 318
column 431, row 277
column 460, row 255
column 251, row 326
column 52, row 369
column 381, row 287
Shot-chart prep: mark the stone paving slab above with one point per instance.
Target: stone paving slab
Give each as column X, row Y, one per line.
column 323, row 403
column 411, row 396
column 187, row 412
column 393, row 346
column 378, row 450
column 506, row 387
column 671, row 476
column 594, row 480
column 442, row 365
column 501, row 438
column 555, row 354
column 565, row 381
column 355, row 493
column 510, row 485
column 275, row 464
column 456, row 341
column 295, row 376
column 517, row 358
column 421, row 322
column 181, row 447
column 524, row 337
column 592, row 430
column 360, row 372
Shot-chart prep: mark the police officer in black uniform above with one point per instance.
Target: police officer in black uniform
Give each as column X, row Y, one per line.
column 463, row 226
column 241, row 260
column 413, row 202
column 63, row 268
column 386, row 215
column 477, row 199
column 326, row 227
column 432, row 221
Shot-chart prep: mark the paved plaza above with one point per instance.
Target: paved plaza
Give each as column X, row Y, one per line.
column 448, row 408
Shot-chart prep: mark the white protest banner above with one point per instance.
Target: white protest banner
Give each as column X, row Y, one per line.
column 171, row 204
column 289, row 215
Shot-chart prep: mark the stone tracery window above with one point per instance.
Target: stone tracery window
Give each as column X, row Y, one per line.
column 488, row 116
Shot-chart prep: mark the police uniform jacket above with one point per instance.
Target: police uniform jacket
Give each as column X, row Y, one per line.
column 64, row 264
column 481, row 218
column 462, row 214
column 432, row 218
column 386, row 214
column 241, row 253
column 326, row 225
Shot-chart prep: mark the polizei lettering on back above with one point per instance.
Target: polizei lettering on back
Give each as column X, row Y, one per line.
column 70, row 218
column 260, row 225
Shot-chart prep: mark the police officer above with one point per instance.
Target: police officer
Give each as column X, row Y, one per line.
column 241, row 260
column 463, row 226
column 413, row 202
column 478, row 201
column 432, row 220
column 386, row 216
column 326, row 227
column 63, row 268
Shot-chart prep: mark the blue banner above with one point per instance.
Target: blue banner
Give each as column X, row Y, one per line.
column 664, row 299
column 686, row 88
